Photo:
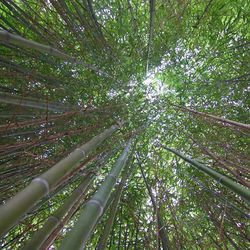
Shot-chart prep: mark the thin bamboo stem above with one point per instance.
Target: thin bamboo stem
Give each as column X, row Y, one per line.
column 162, row 231
column 151, row 32
column 216, row 118
column 224, row 180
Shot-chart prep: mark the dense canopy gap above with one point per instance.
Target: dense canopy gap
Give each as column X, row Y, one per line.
column 124, row 124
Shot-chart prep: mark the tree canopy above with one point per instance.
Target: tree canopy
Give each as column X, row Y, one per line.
column 124, row 124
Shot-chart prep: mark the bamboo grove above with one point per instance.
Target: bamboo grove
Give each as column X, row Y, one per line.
column 124, row 124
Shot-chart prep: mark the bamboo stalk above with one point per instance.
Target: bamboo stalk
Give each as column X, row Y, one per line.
column 77, row 237
column 224, row 180
column 151, row 32
column 97, row 26
column 21, row 203
column 32, row 102
column 108, row 226
column 20, row 18
column 7, row 37
column 52, row 237
column 49, row 241
column 54, row 220
column 223, row 164
column 216, row 118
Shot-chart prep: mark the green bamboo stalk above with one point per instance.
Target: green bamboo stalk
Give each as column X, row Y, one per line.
column 32, row 103
column 216, row 118
column 7, row 37
column 108, row 226
column 55, row 233
column 224, row 180
column 77, row 237
column 23, row 201
column 54, row 220
column 52, row 237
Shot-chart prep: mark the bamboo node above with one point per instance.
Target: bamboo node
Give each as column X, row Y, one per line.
column 82, row 151
column 99, row 204
column 7, row 36
column 220, row 179
column 43, row 182
column 55, row 219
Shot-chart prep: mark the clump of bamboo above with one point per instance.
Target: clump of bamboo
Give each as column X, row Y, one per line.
column 21, row 203
column 54, row 220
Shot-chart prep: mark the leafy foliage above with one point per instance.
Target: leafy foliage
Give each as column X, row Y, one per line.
column 196, row 56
